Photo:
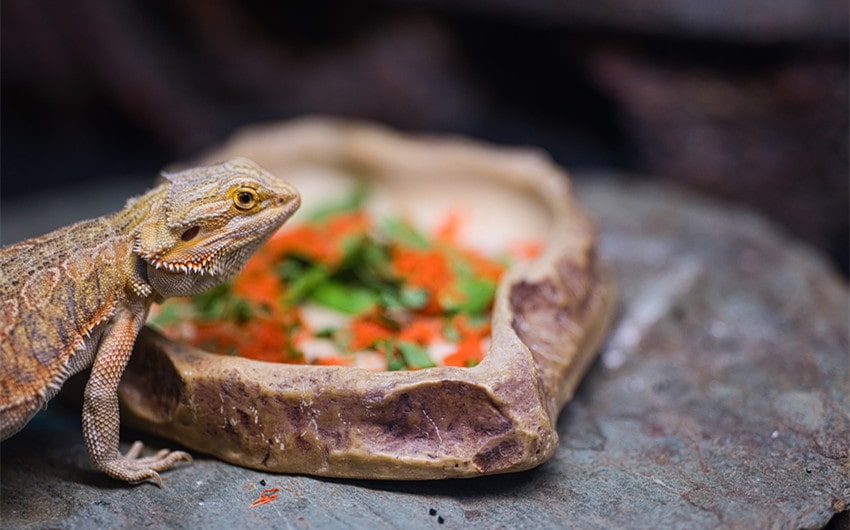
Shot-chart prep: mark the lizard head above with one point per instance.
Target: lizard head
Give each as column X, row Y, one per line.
column 209, row 222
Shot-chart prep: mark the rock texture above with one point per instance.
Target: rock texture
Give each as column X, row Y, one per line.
column 725, row 385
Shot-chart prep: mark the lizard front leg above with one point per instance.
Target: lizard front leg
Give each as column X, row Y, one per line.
column 101, row 421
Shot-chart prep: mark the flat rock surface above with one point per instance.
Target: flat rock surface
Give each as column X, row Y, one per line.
column 720, row 399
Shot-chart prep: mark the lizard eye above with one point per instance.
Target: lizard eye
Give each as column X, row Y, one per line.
column 190, row 234
column 245, row 198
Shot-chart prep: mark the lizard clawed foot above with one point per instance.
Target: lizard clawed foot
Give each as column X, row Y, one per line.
column 132, row 468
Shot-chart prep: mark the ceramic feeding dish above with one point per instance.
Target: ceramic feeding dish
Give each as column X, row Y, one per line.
column 549, row 316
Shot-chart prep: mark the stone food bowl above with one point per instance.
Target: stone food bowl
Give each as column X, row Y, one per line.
column 549, row 317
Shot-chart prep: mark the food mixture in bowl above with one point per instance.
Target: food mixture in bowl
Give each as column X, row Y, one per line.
column 347, row 288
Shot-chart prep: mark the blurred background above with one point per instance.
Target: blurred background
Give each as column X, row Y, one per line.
column 745, row 100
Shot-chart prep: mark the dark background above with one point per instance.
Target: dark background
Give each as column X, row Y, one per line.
column 746, row 100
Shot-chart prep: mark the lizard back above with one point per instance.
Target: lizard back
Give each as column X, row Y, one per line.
column 57, row 292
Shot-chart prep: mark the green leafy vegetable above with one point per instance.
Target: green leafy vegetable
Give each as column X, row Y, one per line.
column 474, row 295
column 301, row 286
column 415, row 355
column 345, row 298
column 402, row 232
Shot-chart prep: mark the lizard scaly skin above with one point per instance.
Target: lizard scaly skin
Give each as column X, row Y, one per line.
column 77, row 297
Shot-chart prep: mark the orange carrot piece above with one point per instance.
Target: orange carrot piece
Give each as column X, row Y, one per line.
column 306, row 240
column 347, row 223
column 322, row 243
column 365, row 333
column 461, row 323
column 468, row 350
column 336, row 360
column 484, row 267
column 449, row 228
column 421, row 331
column 261, row 287
column 263, row 340
column 424, row 269
column 266, row 496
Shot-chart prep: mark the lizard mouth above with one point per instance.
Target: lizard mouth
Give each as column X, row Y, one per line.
column 200, row 267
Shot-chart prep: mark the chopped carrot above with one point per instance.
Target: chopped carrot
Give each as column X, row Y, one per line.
column 266, row 496
column 425, row 269
column 336, row 360
column 258, row 285
column 365, row 333
column 305, row 240
column 263, row 340
column 484, row 267
column 323, row 242
column 428, row 269
column 449, row 229
column 463, row 326
column 421, row 331
column 213, row 336
column 468, row 352
column 347, row 223
column 301, row 333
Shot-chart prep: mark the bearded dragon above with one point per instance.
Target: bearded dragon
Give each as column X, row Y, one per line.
column 77, row 297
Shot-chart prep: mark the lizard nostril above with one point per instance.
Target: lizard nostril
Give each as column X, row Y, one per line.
column 190, row 234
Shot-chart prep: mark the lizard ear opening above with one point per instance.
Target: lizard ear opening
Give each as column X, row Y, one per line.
column 190, row 234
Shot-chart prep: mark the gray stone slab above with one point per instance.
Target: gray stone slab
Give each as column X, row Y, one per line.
column 721, row 399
